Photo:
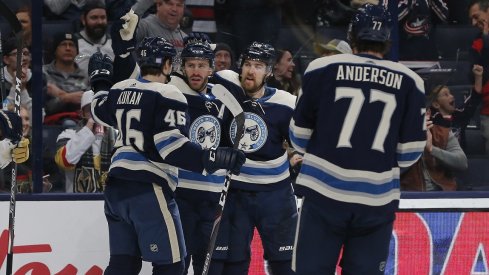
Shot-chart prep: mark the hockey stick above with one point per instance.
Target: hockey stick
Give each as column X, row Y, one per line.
column 221, row 93
column 2, row 72
column 17, row 28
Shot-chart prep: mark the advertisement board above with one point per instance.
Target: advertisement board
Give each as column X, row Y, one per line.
column 70, row 237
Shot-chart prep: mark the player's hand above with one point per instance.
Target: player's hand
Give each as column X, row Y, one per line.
column 21, row 153
column 100, row 70
column 123, row 34
column 11, row 126
column 223, row 158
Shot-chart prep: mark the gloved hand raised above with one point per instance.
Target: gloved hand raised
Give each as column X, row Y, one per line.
column 11, row 126
column 223, row 158
column 123, row 34
column 100, row 71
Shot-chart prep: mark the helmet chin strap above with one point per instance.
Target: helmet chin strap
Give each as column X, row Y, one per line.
column 167, row 76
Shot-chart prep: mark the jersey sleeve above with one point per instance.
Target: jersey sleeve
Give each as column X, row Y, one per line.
column 71, row 146
column 304, row 119
column 171, row 130
column 412, row 136
column 101, row 109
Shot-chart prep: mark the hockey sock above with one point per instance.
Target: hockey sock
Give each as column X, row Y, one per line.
column 123, row 265
column 236, row 268
column 281, row 267
column 166, row 269
column 187, row 264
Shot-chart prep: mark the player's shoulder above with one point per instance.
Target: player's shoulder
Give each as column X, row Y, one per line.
column 165, row 90
column 403, row 69
column 171, row 92
column 324, row 62
column 124, row 84
column 228, row 75
column 282, row 97
column 179, row 82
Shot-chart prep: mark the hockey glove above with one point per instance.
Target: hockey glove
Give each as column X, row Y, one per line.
column 100, row 71
column 223, row 158
column 21, row 153
column 11, row 126
column 123, row 34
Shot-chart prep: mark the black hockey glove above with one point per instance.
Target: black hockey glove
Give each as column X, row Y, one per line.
column 223, row 158
column 11, row 126
column 123, row 34
column 100, row 71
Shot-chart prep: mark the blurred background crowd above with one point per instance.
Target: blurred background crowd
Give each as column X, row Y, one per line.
column 439, row 39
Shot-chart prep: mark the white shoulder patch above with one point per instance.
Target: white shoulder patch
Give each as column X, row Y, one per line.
column 230, row 75
column 284, row 98
column 181, row 85
column 171, row 92
column 125, row 83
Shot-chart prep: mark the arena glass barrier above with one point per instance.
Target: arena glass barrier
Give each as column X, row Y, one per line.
column 435, row 233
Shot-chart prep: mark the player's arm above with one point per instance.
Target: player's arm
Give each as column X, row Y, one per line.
column 304, row 119
column 71, row 145
column 412, row 132
column 176, row 149
column 100, row 69
column 123, row 34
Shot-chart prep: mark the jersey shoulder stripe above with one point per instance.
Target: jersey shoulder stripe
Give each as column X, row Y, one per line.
column 166, row 90
column 283, row 98
column 356, row 60
column 230, row 75
column 181, row 85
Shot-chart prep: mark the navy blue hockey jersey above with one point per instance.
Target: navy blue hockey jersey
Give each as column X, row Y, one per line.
column 266, row 127
column 358, row 120
column 151, row 119
column 206, row 115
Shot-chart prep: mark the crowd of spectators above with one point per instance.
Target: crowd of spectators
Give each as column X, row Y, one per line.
column 81, row 28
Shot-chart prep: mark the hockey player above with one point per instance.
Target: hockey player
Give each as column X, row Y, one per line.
column 151, row 117
column 197, row 195
column 262, row 195
column 358, row 120
column 12, row 145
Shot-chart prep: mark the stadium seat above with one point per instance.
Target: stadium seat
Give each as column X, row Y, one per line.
column 477, row 175
column 474, row 142
column 453, row 40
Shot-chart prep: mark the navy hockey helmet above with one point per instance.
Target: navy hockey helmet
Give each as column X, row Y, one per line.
column 259, row 52
column 152, row 51
column 371, row 23
column 197, row 48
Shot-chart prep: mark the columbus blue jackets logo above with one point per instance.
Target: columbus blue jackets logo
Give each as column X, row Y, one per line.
column 255, row 133
column 205, row 131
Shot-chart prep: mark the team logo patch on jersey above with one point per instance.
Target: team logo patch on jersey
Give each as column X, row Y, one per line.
column 153, row 247
column 205, row 131
column 255, row 134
